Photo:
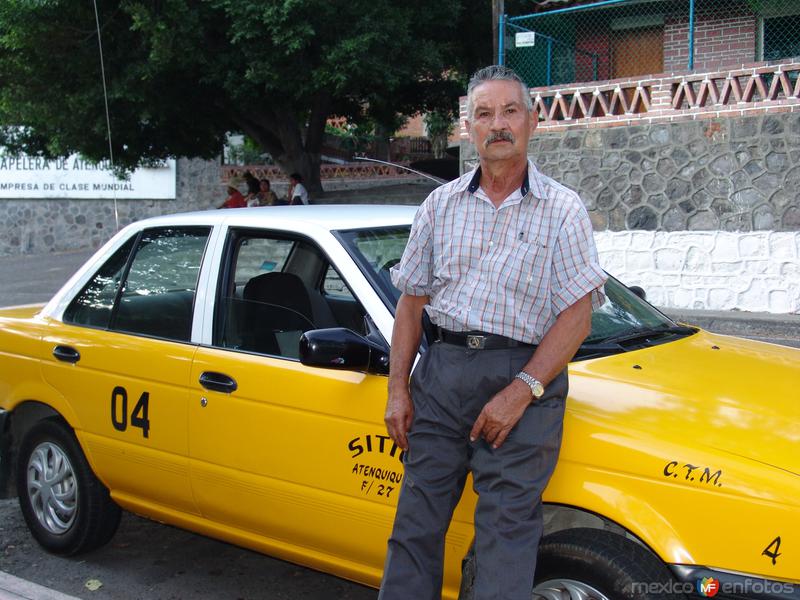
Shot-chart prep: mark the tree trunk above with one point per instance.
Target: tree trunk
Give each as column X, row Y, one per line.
column 278, row 132
column 295, row 158
column 382, row 144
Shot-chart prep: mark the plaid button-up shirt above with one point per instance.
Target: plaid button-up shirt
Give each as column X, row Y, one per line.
column 509, row 270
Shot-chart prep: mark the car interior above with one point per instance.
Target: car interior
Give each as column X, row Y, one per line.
column 275, row 289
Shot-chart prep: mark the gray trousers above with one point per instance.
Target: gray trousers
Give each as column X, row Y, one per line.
column 449, row 387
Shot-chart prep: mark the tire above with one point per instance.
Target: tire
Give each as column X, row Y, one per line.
column 66, row 508
column 593, row 564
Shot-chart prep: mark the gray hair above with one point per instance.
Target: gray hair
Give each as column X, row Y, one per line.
column 495, row 73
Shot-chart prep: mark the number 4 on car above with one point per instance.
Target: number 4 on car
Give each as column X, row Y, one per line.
column 226, row 372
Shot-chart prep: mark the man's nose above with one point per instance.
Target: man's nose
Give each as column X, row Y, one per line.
column 499, row 121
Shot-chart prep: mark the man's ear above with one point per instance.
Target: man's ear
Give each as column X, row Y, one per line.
column 534, row 120
column 469, row 130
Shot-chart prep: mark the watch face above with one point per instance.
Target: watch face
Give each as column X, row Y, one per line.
column 538, row 389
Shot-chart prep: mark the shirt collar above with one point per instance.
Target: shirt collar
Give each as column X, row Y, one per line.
column 532, row 182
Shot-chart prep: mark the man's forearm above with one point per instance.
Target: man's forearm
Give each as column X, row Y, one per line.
column 406, row 336
column 561, row 341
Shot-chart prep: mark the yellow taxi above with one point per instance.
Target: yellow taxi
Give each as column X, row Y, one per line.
column 225, row 372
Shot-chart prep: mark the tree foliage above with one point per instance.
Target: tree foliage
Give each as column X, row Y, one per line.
column 182, row 73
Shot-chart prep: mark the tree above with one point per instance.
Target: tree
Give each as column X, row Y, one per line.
column 439, row 126
column 182, row 73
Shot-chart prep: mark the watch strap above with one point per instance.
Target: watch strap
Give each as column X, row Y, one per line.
column 537, row 389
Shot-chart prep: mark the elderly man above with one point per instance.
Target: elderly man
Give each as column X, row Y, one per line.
column 504, row 263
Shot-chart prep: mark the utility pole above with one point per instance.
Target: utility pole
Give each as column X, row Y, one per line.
column 498, row 8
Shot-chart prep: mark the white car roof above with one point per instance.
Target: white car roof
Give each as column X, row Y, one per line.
column 316, row 221
column 328, row 217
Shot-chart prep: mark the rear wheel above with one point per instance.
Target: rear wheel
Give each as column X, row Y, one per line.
column 592, row 564
column 65, row 506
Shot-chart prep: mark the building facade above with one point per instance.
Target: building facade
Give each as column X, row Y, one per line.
column 691, row 175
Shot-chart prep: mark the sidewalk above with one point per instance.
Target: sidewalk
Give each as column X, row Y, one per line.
column 14, row 588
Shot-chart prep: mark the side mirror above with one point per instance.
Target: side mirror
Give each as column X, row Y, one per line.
column 639, row 291
column 340, row 348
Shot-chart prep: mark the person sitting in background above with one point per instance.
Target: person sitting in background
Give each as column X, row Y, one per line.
column 251, row 198
column 252, row 182
column 235, row 198
column 297, row 191
column 266, row 197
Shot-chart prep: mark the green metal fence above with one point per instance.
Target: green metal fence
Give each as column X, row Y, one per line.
column 574, row 41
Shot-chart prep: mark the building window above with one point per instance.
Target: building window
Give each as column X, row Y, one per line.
column 781, row 37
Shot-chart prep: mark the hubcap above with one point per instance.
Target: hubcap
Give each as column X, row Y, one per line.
column 52, row 489
column 566, row 589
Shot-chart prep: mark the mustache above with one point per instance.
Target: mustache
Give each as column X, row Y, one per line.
column 499, row 136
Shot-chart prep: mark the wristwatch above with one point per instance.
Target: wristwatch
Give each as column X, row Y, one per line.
column 537, row 389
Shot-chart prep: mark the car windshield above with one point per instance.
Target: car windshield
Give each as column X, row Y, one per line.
column 622, row 318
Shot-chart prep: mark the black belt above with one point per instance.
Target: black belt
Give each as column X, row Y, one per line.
column 478, row 340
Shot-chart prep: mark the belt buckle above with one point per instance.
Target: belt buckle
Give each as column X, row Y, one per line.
column 476, row 342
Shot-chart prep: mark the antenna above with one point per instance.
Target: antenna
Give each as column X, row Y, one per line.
column 108, row 118
column 391, row 164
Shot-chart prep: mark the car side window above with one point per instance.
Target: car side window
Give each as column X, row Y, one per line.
column 333, row 285
column 156, row 296
column 93, row 305
column 261, row 255
column 274, row 293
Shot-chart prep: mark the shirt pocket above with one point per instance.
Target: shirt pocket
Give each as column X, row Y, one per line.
column 523, row 265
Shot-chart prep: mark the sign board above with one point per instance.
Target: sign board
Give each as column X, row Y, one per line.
column 525, row 38
column 23, row 176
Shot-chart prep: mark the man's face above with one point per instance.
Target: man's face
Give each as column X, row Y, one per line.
column 500, row 124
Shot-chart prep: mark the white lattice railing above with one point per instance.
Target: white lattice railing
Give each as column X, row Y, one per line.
column 749, row 89
column 358, row 170
column 735, row 87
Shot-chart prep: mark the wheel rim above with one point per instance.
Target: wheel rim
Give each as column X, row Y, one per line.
column 52, row 489
column 566, row 589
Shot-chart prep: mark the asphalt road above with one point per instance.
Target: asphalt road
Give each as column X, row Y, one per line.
column 150, row 561
column 29, row 279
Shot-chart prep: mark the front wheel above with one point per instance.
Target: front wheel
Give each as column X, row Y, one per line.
column 67, row 509
column 592, row 564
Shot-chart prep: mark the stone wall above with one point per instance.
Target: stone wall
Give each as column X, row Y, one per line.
column 41, row 226
column 757, row 271
column 731, row 174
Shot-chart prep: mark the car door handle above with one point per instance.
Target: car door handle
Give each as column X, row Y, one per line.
column 218, row 382
column 66, row 354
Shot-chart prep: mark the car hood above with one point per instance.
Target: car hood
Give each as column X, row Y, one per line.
column 723, row 393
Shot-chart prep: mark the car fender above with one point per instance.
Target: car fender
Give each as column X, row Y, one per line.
column 43, row 393
column 684, row 525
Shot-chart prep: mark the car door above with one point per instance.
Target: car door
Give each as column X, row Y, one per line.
column 122, row 357
column 294, row 458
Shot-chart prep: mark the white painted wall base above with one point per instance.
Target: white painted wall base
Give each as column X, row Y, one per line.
column 708, row 270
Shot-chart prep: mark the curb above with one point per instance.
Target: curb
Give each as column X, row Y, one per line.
column 15, row 588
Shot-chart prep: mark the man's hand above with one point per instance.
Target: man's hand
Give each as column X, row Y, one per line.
column 501, row 414
column 398, row 417
column 558, row 346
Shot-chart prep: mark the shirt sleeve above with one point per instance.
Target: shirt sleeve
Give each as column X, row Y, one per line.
column 413, row 274
column 576, row 268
